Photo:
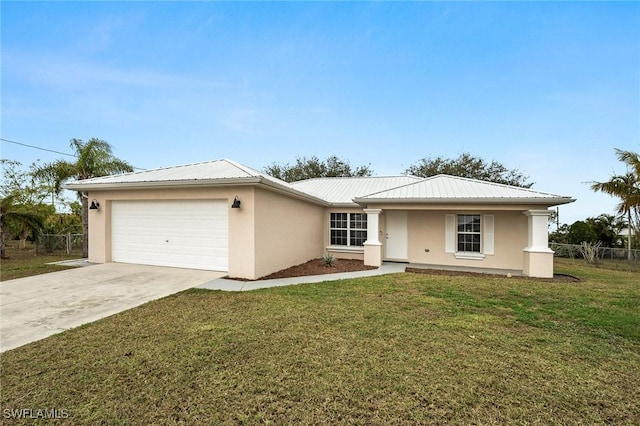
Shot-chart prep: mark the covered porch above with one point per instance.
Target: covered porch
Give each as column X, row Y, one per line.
column 493, row 239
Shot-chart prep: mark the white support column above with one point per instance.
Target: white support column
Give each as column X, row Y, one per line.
column 538, row 257
column 373, row 246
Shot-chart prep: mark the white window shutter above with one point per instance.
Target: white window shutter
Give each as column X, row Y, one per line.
column 487, row 237
column 450, row 233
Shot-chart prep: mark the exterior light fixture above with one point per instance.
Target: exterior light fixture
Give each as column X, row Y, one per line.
column 94, row 205
column 236, row 203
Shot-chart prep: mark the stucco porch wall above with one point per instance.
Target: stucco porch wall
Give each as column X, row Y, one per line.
column 426, row 236
column 426, row 233
column 426, row 240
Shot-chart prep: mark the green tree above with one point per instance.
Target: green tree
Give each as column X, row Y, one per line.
column 26, row 197
column 25, row 188
column 606, row 227
column 580, row 232
column 560, row 235
column 12, row 214
column 307, row 168
column 627, row 188
column 94, row 158
column 468, row 166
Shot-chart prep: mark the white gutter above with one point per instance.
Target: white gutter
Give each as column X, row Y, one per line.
column 524, row 200
column 98, row 186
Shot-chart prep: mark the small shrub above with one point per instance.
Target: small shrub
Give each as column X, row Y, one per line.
column 590, row 252
column 329, row 260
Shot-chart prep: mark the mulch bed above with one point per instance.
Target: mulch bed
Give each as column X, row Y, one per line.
column 316, row 267
column 556, row 277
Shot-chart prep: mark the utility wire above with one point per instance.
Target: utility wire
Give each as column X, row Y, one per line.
column 37, row 147
column 48, row 150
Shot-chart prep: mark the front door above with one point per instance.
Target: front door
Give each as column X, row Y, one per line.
column 396, row 235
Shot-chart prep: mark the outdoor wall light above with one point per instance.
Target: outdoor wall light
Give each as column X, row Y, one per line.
column 236, row 203
column 94, row 205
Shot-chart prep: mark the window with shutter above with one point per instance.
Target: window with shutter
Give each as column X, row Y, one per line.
column 469, row 236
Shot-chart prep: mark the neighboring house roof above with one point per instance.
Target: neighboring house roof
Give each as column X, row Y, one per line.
column 341, row 191
column 347, row 192
column 454, row 189
column 624, row 232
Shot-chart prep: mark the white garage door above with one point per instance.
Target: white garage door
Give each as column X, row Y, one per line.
column 184, row 234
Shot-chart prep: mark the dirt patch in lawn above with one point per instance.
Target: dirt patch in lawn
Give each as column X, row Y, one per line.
column 317, row 267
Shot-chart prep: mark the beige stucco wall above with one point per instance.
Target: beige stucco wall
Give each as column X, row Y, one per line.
column 427, row 240
column 426, row 231
column 270, row 231
column 288, row 231
column 538, row 264
column 241, row 223
column 426, row 235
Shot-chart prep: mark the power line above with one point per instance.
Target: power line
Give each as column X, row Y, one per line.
column 48, row 150
column 37, row 147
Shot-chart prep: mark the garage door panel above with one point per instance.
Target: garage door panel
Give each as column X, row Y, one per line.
column 186, row 234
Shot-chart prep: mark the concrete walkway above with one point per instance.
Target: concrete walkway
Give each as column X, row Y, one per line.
column 234, row 285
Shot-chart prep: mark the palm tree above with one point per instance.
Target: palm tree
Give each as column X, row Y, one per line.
column 627, row 188
column 11, row 213
column 94, row 159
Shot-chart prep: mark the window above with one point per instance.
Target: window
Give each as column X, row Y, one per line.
column 348, row 229
column 469, row 233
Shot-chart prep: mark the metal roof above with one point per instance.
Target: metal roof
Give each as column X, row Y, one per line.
column 445, row 188
column 349, row 191
column 210, row 170
column 341, row 191
column 218, row 172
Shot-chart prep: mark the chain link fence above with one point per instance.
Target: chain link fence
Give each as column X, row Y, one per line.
column 61, row 244
column 573, row 251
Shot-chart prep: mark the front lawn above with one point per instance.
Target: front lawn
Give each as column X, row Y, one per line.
column 25, row 263
column 397, row 349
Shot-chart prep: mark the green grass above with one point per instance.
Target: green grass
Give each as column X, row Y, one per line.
column 25, row 263
column 396, row 349
column 608, row 264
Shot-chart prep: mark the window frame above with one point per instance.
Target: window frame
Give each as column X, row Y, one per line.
column 471, row 229
column 487, row 235
column 355, row 229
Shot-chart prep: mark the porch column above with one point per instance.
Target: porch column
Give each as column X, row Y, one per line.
column 538, row 257
column 373, row 246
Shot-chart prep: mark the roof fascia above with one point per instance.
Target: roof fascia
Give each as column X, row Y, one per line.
column 97, row 186
column 434, row 201
column 251, row 181
column 345, row 205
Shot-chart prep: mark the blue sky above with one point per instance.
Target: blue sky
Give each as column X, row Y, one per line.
column 548, row 88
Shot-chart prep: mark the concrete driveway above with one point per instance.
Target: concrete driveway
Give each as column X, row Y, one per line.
column 35, row 307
